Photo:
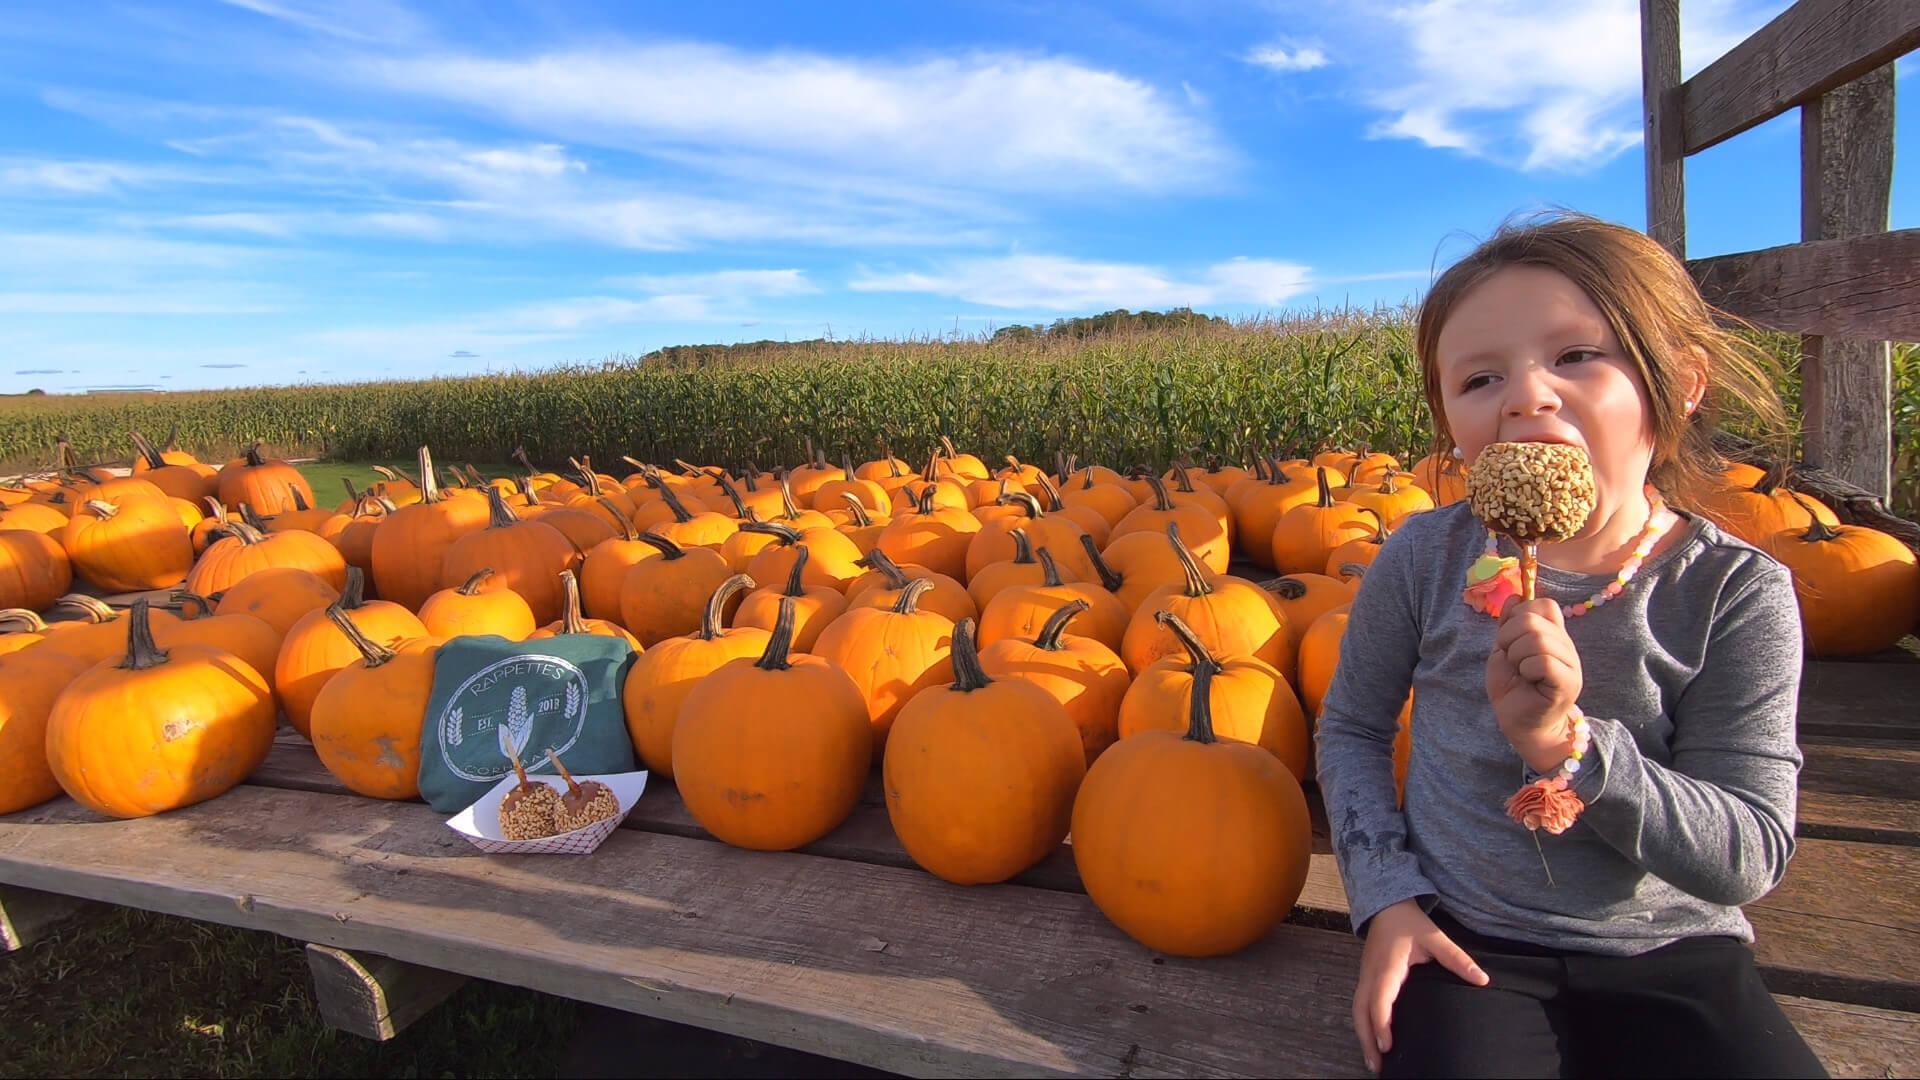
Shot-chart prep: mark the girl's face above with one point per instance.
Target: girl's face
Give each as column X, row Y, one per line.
column 1525, row 356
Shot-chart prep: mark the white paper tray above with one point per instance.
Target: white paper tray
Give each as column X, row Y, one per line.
column 480, row 823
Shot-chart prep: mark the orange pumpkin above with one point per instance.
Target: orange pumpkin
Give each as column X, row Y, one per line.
column 97, row 634
column 267, row 485
column 1304, row 598
column 1112, row 501
column 250, row 640
column 34, row 570
column 814, row 606
column 880, row 587
column 1263, row 503
column 994, row 542
column 869, row 494
column 1443, row 477
column 1020, row 610
column 1760, row 512
column 860, row 526
column 661, row 677
column 20, row 628
column 528, row 556
column 572, row 622
column 367, row 718
column 33, row 517
column 34, row 682
column 1200, row 526
column 665, row 597
column 834, row 559
column 473, row 610
column 936, row 537
column 1231, row 615
column 1192, row 844
column 410, row 546
column 603, row 572
column 772, row 754
column 352, row 532
column 1085, row 677
column 278, row 596
column 890, row 654
column 1393, row 498
column 1308, row 533
column 314, row 649
column 1362, row 550
column 986, row 582
column 131, row 545
column 1250, row 700
column 157, row 730
column 173, row 472
column 1859, row 588
column 246, row 551
column 980, row 775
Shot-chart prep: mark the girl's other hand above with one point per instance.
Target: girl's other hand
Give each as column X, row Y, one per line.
column 1399, row 937
column 1534, row 679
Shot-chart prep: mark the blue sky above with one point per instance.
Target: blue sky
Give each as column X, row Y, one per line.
column 238, row 192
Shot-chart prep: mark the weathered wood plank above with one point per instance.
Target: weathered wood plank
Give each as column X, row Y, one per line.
column 1862, row 789
column 1860, row 700
column 1860, row 287
column 1665, row 128
column 1855, row 1040
column 1844, row 925
column 868, row 964
column 27, row 914
column 1807, row 50
column 1846, row 189
column 373, row 996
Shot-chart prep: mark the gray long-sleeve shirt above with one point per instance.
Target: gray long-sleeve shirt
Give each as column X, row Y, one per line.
column 1691, row 679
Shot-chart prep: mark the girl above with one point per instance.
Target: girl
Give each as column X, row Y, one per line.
column 1597, row 930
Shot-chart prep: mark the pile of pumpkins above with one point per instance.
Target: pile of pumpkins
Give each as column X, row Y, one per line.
column 1022, row 652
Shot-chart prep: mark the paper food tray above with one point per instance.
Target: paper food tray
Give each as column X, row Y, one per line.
column 480, row 823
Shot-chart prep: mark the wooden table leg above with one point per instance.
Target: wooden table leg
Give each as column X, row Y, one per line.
column 373, row 996
column 27, row 914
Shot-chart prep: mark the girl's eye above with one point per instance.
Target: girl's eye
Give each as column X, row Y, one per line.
column 1580, row 353
column 1475, row 383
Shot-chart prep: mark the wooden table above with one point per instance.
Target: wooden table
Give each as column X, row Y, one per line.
column 845, row 949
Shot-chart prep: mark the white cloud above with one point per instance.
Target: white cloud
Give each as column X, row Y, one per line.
column 276, row 226
column 81, row 303
column 1535, row 86
column 1280, row 58
column 51, row 177
column 985, row 119
column 724, row 283
column 1059, row 283
column 352, row 20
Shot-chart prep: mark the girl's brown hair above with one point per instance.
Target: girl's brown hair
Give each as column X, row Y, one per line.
column 1663, row 323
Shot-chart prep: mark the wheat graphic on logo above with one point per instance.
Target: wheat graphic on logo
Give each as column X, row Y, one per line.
column 450, row 727
column 519, row 719
column 573, row 701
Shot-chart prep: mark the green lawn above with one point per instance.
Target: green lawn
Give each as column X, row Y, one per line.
column 325, row 476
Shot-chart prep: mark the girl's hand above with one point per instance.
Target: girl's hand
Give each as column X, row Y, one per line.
column 1533, row 680
column 1400, row 936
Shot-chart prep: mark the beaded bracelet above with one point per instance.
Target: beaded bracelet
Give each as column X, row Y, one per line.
column 1549, row 802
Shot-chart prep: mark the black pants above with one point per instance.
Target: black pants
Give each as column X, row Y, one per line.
column 1692, row 1008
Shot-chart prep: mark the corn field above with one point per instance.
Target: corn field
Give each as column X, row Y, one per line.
column 1150, row 396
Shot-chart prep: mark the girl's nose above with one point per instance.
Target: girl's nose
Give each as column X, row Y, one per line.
column 1529, row 393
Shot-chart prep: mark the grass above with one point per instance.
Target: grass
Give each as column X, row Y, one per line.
column 130, row 993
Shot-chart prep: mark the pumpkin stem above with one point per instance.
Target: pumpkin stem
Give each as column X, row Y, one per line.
column 775, row 658
column 726, row 485
column 142, row 652
column 471, row 587
column 1286, row 588
column 500, row 515
column 787, row 509
column 800, row 557
column 1197, row 584
column 374, row 653
column 520, row 455
column 354, row 595
column 1052, row 493
column 668, row 549
column 1326, row 491
column 1182, row 480
column 252, row 517
column 1205, row 667
column 299, row 500
column 1379, row 523
column 21, row 621
column 890, row 570
column 1086, row 476
column 894, row 464
column 783, row 534
column 183, row 598
column 1023, row 500
column 858, row 509
column 429, row 485
column 680, row 512
column 102, row 510
column 717, row 604
column 1022, row 547
column 1109, row 577
column 690, row 470
column 148, row 451
column 386, row 474
column 1259, row 467
column 571, row 621
column 947, row 445
column 1353, row 570
column 1048, row 568
column 95, row 609
column 1818, row 531
column 1049, row 636
column 968, row 675
column 922, row 500
column 255, row 456
column 620, row 519
column 909, row 599
column 1162, row 499
column 245, row 533
column 353, row 493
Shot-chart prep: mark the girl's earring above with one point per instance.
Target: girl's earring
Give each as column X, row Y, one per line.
column 1458, row 454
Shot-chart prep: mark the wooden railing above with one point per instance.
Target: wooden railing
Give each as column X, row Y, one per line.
column 1850, row 285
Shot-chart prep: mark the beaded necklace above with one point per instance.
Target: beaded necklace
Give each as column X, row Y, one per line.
column 1493, row 577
